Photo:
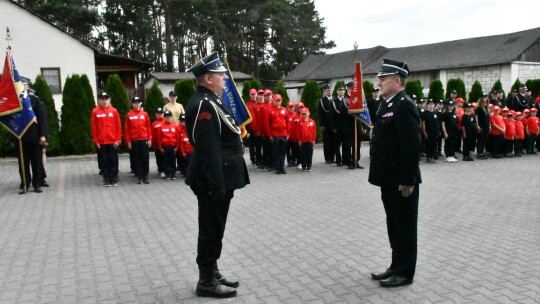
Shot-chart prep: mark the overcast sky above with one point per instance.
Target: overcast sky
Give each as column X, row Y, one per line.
column 393, row 23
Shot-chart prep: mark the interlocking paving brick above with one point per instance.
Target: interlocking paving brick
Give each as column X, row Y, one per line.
column 295, row 238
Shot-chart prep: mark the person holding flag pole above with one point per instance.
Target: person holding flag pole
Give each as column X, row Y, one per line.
column 23, row 117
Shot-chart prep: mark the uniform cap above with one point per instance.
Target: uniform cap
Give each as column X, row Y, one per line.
column 326, row 87
column 182, row 117
column 290, row 104
column 526, row 111
column 522, row 85
column 534, row 110
column 159, row 111
column 210, row 63
column 510, row 113
column 301, row 105
column 341, row 87
column 304, row 110
column 430, row 101
column 135, row 99
column 505, row 109
column 252, row 91
column 518, row 113
column 460, row 100
column 260, row 92
column 376, row 89
column 484, row 94
column 167, row 113
column 103, row 95
column 349, row 84
column 453, row 92
column 172, row 94
column 277, row 97
column 467, row 105
column 267, row 92
column 441, row 101
column 392, row 67
column 450, row 103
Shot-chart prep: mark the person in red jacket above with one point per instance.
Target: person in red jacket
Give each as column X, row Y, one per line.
column 257, row 135
column 159, row 156
column 138, row 135
column 510, row 134
column 497, row 132
column 107, row 135
column 520, row 135
column 180, row 157
column 307, row 132
column 532, row 129
column 278, row 126
column 168, row 137
column 266, row 108
column 250, row 138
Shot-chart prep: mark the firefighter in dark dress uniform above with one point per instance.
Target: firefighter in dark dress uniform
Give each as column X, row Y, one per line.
column 325, row 122
column 395, row 145
column 216, row 169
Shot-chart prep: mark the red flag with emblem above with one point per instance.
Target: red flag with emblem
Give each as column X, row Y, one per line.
column 10, row 88
column 356, row 102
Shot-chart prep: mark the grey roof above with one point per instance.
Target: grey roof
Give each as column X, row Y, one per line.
column 172, row 77
column 479, row 51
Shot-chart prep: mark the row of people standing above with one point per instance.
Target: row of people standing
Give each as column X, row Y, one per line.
column 164, row 135
column 278, row 134
column 341, row 132
column 479, row 126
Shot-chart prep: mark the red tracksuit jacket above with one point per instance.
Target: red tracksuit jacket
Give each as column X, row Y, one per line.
column 168, row 134
column 137, row 126
column 278, row 121
column 307, row 131
column 106, row 126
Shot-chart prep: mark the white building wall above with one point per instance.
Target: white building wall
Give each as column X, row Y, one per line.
column 37, row 44
column 486, row 75
column 528, row 70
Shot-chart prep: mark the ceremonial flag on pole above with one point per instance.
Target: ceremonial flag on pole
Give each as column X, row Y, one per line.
column 10, row 87
column 15, row 119
column 233, row 99
column 357, row 101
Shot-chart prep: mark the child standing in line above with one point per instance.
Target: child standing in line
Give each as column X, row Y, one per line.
column 307, row 132
column 520, row 135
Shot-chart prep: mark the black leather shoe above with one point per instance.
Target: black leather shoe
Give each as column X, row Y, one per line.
column 395, row 281
column 38, row 189
column 382, row 275
column 216, row 290
column 44, row 184
column 139, row 180
column 223, row 281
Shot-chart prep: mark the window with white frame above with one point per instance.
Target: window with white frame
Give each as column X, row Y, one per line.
column 52, row 76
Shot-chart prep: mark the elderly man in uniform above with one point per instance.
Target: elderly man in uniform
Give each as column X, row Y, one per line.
column 217, row 168
column 325, row 121
column 394, row 167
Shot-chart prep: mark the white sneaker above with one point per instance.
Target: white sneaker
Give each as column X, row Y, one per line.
column 448, row 159
column 454, row 159
column 162, row 175
column 300, row 167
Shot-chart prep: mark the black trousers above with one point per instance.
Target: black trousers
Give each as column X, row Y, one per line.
column 349, row 149
column 169, row 161
column 267, row 152
column 337, row 140
column 212, row 221
column 497, row 142
column 469, row 143
column 531, row 139
column 160, row 162
column 401, row 222
column 431, row 146
column 257, row 142
column 109, row 162
column 328, row 148
column 279, row 147
column 306, row 155
column 32, row 156
column 509, row 146
column 481, row 141
column 292, row 154
column 450, row 145
column 141, row 157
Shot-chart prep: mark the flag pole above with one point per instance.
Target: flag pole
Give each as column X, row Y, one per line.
column 355, row 45
column 8, row 37
column 21, row 168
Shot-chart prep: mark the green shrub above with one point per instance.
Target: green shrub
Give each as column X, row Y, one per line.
column 75, row 133
column 119, row 99
column 414, row 87
column 184, row 89
column 476, row 92
column 458, row 85
column 44, row 93
column 280, row 89
column 497, row 86
column 436, row 91
column 154, row 100
column 368, row 87
column 310, row 97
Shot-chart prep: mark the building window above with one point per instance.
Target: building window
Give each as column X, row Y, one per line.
column 52, row 76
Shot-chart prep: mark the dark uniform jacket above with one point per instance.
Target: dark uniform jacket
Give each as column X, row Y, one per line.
column 324, row 110
column 338, row 110
column 217, row 164
column 521, row 102
column 395, row 144
column 40, row 127
column 373, row 106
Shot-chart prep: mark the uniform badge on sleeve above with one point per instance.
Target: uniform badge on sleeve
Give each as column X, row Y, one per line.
column 204, row 115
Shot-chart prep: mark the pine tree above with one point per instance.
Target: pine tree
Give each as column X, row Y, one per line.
column 44, row 93
column 476, row 92
column 245, row 90
column 436, row 91
column 516, row 85
column 119, row 99
column 87, row 87
column 280, row 89
column 254, row 83
column 184, row 89
column 414, row 87
column 497, row 86
column 154, row 100
column 310, row 97
column 458, row 85
column 338, row 84
column 75, row 133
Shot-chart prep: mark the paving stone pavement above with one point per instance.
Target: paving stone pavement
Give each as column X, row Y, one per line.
column 304, row 237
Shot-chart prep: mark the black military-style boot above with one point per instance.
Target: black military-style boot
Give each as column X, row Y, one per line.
column 223, row 280
column 209, row 286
